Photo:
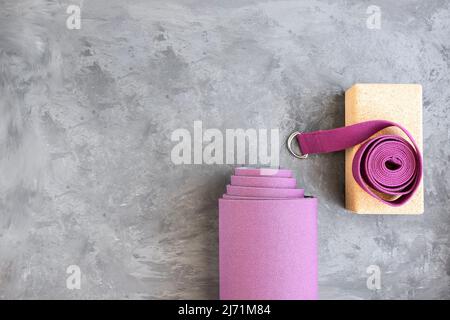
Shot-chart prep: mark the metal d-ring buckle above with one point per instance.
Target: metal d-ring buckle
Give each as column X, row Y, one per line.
column 289, row 146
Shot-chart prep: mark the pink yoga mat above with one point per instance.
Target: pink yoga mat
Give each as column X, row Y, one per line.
column 244, row 171
column 267, row 240
column 264, row 192
column 265, row 182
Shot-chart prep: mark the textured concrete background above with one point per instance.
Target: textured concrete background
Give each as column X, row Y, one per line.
column 87, row 115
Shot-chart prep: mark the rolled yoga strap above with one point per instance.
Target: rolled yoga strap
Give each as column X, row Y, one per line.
column 267, row 238
column 386, row 164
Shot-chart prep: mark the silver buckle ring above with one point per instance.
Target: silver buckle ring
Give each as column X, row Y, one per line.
column 289, row 146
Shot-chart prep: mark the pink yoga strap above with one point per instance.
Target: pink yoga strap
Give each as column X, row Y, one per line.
column 386, row 164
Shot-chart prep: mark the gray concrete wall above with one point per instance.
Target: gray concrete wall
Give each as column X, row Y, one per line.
column 86, row 118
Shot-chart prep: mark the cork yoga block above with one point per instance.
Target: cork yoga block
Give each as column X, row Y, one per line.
column 400, row 103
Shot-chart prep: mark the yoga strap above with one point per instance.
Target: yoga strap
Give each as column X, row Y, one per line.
column 386, row 164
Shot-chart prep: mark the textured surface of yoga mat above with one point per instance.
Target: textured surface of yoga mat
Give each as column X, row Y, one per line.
column 268, row 249
column 264, row 182
column 259, row 172
column 401, row 103
column 264, row 192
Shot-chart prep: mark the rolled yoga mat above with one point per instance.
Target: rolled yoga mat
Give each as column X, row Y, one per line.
column 267, row 238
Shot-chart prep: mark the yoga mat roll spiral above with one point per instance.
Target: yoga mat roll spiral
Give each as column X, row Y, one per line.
column 267, row 238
